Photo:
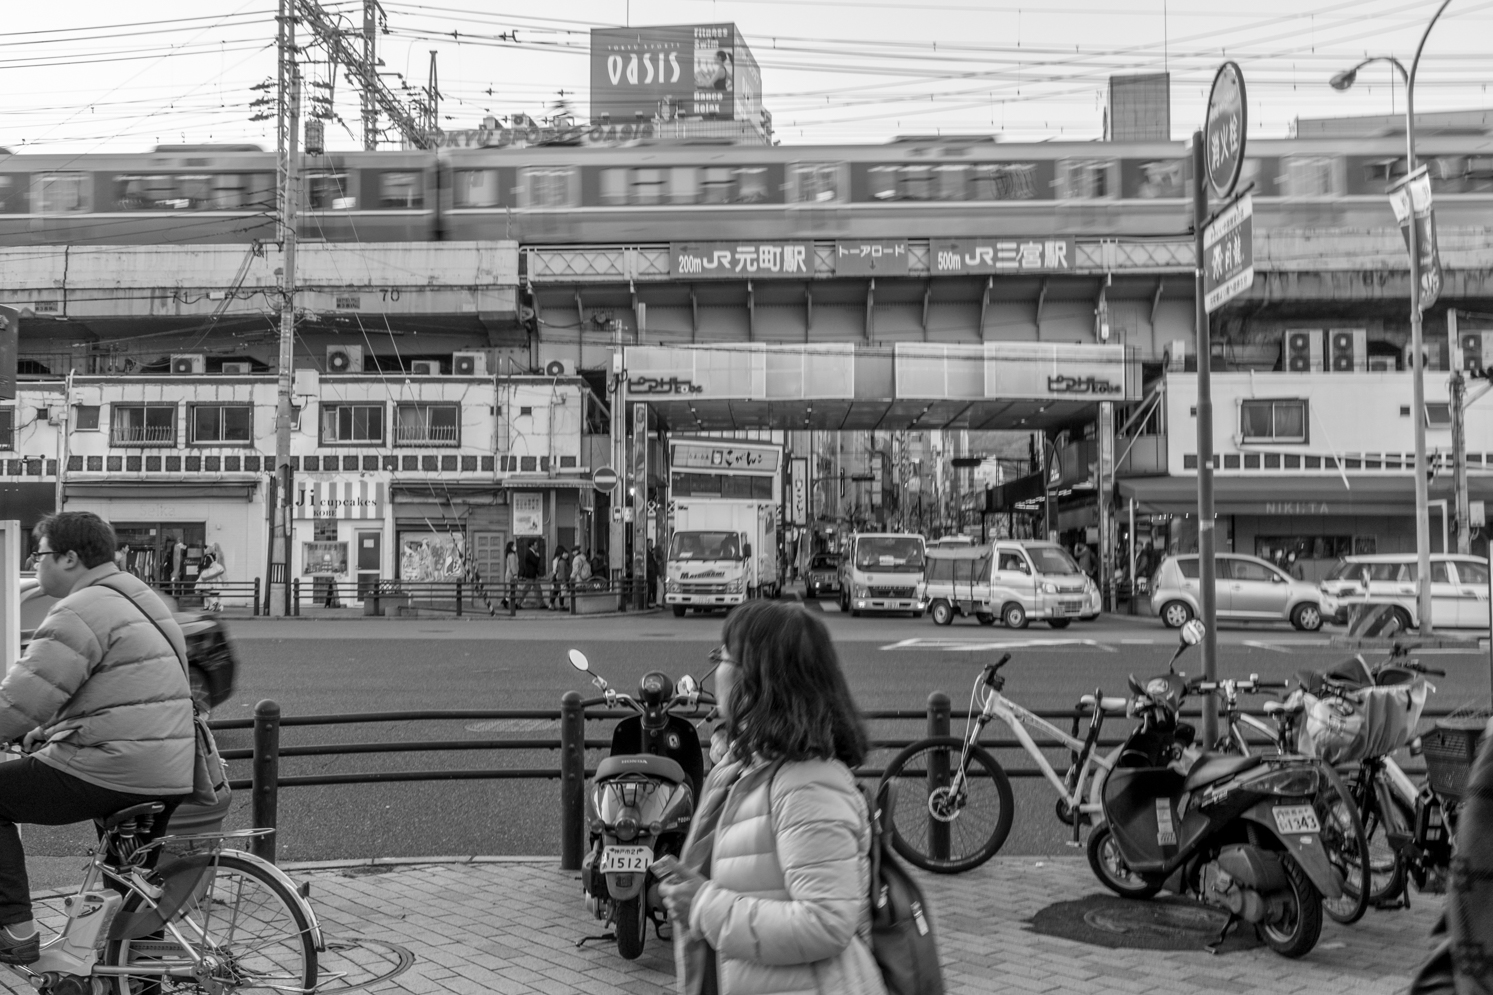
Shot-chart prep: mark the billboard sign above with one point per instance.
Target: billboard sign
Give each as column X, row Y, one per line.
column 871, row 257
column 1229, row 254
column 668, row 72
column 740, row 260
column 988, row 256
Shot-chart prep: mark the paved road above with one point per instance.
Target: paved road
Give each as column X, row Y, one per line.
column 313, row 667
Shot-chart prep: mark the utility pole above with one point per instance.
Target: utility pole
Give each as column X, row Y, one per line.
column 1459, row 437
column 1207, row 581
column 289, row 197
column 371, row 12
column 617, row 536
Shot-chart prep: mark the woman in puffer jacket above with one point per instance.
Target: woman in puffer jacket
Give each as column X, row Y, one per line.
column 770, row 897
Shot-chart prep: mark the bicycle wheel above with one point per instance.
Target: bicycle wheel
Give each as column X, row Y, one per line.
column 1347, row 848
column 247, row 926
column 938, row 824
column 1387, row 873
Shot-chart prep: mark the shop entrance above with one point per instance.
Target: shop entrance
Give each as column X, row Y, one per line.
column 370, row 561
column 163, row 554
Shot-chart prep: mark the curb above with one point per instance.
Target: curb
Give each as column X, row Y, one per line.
column 466, row 617
column 1473, row 645
column 332, row 865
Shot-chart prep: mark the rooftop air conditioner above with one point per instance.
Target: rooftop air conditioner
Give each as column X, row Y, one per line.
column 558, row 368
column 425, row 368
column 344, row 359
column 469, row 364
column 237, row 369
column 186, row 364
column 1176, row 356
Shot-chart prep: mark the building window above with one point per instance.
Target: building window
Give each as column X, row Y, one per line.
column 1438, row 415
column 352, row 423
column 143, row 425
column 85, row 417
column 7, row 428
column 1272, row 421
column 217, row 424
column 427, row 424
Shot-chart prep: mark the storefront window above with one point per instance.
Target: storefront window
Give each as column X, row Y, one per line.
column 1283, row 550
column 163, row 554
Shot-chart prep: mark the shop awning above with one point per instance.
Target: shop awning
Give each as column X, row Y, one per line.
column 1281, row 495
column 541, row 483
column 161, row 490
column 440, row 493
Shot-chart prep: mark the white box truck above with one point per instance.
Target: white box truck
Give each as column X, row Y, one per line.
column 724, row 500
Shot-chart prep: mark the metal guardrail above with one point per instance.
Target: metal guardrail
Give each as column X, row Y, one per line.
column 467, row 597
column 265, row 781
column 232, row 593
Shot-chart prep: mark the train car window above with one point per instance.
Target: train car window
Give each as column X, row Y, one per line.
column 902, row 182
column 1085, row 179
column 815, row 182
column 648, row 186
column 330, row 192
column 718, row 185
column 12, row 193
column 684, row 185
column 614, row 184
column 950, row 181
column 1310, row 176
column 476, row 188
column 751, row 185
column 549, row 186
column 1384, row 170
column 401, row 190
column 1161, row 179
column 241, row 191
column 61, row 193
column 1004, row 181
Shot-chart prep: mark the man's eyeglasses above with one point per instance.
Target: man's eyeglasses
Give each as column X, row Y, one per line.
column 51, row 552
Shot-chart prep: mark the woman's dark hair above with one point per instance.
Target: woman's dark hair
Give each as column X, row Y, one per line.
column 80, row 532
column 790, row 700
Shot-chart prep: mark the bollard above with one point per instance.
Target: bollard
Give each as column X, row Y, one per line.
column 265, row 790
column 938, row 772
column 295, row 596
column 458, row 599
column 571, row 585
column 572, row 781
column 512, row 599
column 256, row 595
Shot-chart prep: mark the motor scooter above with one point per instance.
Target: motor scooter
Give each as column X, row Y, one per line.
column 1242, row 833
column 640, row 802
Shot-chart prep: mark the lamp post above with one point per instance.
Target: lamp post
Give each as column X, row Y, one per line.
column 1343, row 81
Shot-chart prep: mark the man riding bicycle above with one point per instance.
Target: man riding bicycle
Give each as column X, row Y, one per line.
column 101, row 702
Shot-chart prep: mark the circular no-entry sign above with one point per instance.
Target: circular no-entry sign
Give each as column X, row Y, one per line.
column 604, row 478
column 1224, row 132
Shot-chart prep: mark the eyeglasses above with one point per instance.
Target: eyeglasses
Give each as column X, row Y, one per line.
column 51, row 552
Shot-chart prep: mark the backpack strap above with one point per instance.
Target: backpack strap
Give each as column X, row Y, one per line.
column 152, row 620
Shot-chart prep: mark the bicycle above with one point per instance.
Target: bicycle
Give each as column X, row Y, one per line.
column 960, row 793
column 205, row 919
column 1343, row 836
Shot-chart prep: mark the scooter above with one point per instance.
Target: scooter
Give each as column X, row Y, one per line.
column 1242, row 833
column 640, row 802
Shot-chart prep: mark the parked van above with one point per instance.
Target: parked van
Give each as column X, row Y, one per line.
column 1459, row 588
column 1013, row 581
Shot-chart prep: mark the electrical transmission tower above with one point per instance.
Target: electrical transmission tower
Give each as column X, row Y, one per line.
column 363, row 70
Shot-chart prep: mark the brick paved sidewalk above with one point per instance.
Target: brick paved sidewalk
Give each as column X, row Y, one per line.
column 510, row 927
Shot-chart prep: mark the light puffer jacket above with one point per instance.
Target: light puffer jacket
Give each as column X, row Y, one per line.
column 786, row 906
column 110, row 694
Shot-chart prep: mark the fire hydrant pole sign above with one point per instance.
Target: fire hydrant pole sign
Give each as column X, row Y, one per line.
column 1229, row 254
column 1224, row 132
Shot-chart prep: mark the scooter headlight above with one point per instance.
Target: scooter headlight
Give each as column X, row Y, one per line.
column 626, row 828
column 1294, row 782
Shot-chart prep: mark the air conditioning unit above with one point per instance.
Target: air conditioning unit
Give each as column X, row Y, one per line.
column 344, row 359
column 186, row 364
column 1304, row 351
column 469, row 364
column 1176, row 356
column 1477, row 351
column 558, row 368
column 1347, row 350
column 425, row 368
column 237, row 369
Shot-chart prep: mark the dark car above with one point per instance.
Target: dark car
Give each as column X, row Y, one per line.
column 823, row 576
column 212, row 663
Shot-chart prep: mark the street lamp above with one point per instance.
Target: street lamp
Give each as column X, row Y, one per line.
column 1343, row 81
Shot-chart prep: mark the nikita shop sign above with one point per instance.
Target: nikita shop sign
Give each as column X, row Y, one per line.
column 1229, row 254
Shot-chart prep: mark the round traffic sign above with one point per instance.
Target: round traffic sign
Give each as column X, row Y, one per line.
column 604, row 478
column 1224, row 132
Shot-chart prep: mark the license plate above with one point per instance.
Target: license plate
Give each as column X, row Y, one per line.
column 1293, row 819
column 626, row 859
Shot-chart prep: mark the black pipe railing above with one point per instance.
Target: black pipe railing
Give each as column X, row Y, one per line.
column 465, row 597
column 572, row 743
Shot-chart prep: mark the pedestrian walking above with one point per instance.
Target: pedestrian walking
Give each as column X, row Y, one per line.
column 770, row 895
column 559, row 574
column 1086, row 561
column 530, row 566
column 651, row 568
column 510, row 574
column 580, row 570
column 209, row 575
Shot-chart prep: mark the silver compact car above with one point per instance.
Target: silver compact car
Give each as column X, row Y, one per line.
column 1248, row 590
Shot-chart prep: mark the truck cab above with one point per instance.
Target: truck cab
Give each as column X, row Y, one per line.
column 883, row 572
column 707, row 569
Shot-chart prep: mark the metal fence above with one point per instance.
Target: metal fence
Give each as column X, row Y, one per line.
column 225, row 594
column 265, row 781
column 467, row 597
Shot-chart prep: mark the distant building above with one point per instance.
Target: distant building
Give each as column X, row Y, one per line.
column 1140, row 108
column 1386, row 125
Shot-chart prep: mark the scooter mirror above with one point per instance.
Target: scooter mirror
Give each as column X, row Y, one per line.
column 685, row 685
column 1193, row 633
column 578, row 660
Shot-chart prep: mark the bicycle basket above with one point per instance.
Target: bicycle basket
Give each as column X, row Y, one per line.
column 1368, row 722
column 1449, row 750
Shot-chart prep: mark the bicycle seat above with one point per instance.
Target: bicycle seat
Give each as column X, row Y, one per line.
column 133, row 812
column 641, row 763
column 1114, row 706
column 1212, row 767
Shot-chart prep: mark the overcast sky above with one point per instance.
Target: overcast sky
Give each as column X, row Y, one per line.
column 98, row 76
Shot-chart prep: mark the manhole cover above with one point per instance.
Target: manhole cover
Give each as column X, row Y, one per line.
column 1159, row 924
column 515, row 725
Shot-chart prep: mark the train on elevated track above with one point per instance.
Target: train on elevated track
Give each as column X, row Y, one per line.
column 659, row 191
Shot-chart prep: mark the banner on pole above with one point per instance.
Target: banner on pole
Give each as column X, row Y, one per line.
column 1411, row 198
